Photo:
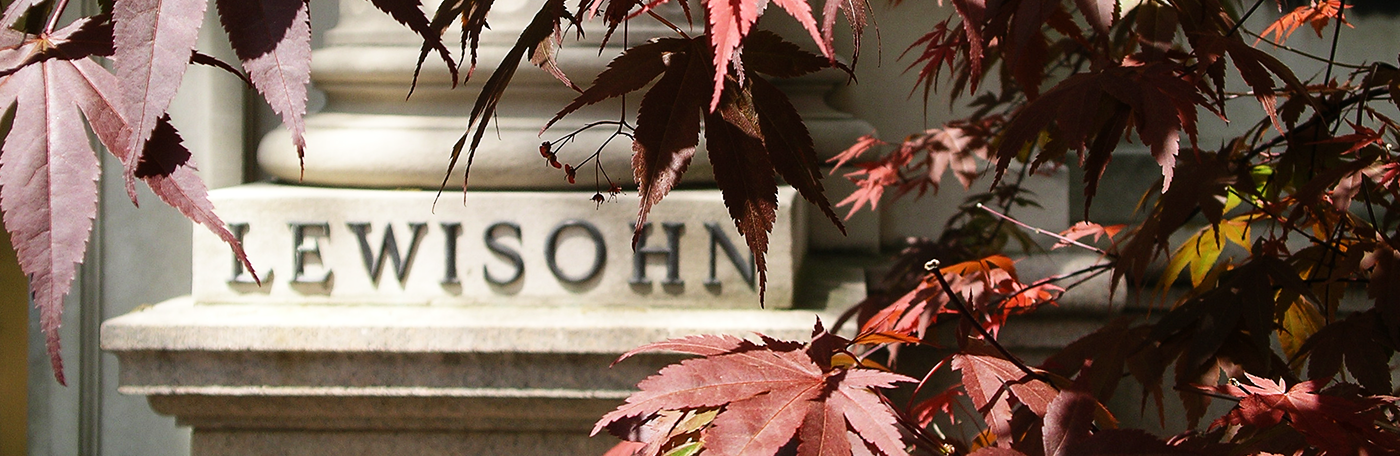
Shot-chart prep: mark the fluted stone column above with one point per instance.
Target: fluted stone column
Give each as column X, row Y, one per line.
column 394, row 319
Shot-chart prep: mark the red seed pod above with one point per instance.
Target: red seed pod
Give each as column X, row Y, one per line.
column 544, row 149
column 554, row 162
column 569, row 172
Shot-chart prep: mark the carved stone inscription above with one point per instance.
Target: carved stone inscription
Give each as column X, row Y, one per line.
column 307, row 239
column 366, row 246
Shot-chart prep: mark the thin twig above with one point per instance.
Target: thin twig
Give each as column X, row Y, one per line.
column 913, row 426
column 1275, row 141
column 1047, row 233
column 1096, row 269
column 1305, row 54
column 1244, row 18
column 1207, row 393
column 1284, row 223
column 933, row 267
column 1371, row 212
column 663, row 20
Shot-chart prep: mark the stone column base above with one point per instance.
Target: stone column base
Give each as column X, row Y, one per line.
column 422, row 380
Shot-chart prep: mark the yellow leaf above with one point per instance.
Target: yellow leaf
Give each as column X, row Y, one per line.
column 1201, row 251
column 1300, row 322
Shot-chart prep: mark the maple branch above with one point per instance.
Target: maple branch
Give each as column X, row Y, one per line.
column 1286, row 224
column 1336, row 35
column 1096, row 269
column 1244, row 18
column 1006, row 205
column 1047, row 233
column 1371, row 211
column 667, row 23
column 1206, row 393
column 933, row 267
column 1303, row 53
column 930, row 442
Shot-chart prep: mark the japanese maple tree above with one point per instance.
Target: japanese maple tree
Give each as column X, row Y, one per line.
column 1267, row 233
column 1277, row 227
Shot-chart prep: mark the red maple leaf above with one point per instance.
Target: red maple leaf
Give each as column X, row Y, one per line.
column 958, row 146
column 1153, row 99
column 1087, row 228
column 273, row 41
column 751, row 135
column 992, row 382
column 48, row 169
column 153, row 40
column 730, row 21
column 871, row 180
column 1318, row 15
column 989, row 287
column 1335, row 424
column 767, row 394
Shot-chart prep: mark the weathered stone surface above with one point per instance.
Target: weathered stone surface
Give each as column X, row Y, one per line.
column 491, row 380
column 337, row 443
column 497, row 247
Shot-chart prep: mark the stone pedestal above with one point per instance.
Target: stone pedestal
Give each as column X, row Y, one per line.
column 261, row 379
column 394, row 319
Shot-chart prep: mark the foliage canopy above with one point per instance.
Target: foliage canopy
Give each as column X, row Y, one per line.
column 1307, row 194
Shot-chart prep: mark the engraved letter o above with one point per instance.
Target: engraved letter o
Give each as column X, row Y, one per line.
column 551, row 248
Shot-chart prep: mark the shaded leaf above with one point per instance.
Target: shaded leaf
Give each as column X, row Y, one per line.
column 1101, row 14
column 272, row 39
column 410, row 14
column 767, row 53
column 169, row 170
column 1068, row 421
column 473, row 20
column 743, row 173
column 1125, row 442
column 631, row 71
column 668, row 129
column 1356, row 343
column 541, row 27
column 1149, row 97
column 789, row 145
column 1156, row 27
column 16, row 9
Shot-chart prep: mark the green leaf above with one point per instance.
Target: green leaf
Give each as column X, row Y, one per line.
column 688, row 449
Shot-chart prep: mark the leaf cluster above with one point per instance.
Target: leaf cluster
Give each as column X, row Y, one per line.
column 1272, row 253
